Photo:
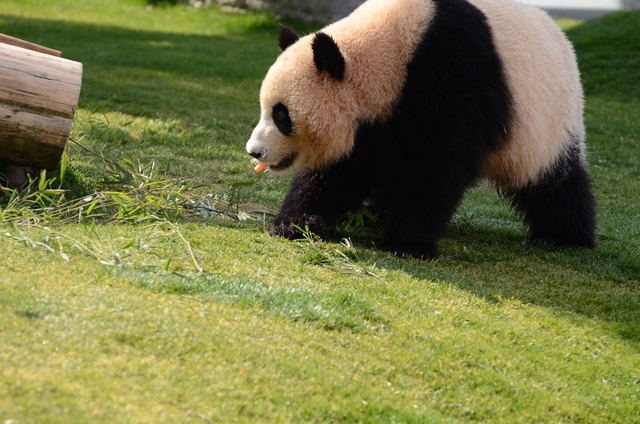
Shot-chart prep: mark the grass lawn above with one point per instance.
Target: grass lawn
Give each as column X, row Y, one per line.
column 150, row 291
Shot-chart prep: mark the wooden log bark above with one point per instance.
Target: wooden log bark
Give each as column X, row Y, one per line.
column 27, row 45
column 38, row 98
column 32, row 139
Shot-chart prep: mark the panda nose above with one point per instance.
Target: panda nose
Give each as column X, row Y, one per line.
column 256, row 153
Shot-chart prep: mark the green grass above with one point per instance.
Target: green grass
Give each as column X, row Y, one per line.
column 140, row 310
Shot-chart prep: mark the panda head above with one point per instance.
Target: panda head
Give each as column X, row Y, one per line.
column 308, row 116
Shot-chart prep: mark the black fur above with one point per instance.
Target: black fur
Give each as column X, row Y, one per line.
column 453, row 111
column 560, row 207
column 280, row 116
column 327, row 56
column 286, row 37
column 317, row 198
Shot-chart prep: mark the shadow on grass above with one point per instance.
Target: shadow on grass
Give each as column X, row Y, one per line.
column 495, row 264
column 607, row 50
column 159, row 74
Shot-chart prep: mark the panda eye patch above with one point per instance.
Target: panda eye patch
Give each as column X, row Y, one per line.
column 282, row 119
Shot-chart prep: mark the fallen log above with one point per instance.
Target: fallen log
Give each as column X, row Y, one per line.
column 39, row 94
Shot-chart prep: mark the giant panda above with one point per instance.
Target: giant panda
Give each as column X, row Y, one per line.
column 407, row 103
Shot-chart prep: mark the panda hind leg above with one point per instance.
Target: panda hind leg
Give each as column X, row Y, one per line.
column 559, row 208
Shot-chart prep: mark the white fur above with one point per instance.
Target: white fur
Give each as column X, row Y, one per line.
column 543, row 76
column 377, row 41
column 326, row 112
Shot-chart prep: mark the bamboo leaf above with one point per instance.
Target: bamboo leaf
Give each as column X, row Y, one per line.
column 63, row 167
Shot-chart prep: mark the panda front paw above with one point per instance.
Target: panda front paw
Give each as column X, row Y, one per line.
column 292, row 227
column 412, row 250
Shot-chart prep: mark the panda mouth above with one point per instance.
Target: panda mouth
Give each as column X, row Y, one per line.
column 284, row 163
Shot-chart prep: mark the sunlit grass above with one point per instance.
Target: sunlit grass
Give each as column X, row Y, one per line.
column 167, row 301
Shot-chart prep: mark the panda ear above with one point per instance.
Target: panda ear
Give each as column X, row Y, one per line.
column 327, row 56
column 286, row 37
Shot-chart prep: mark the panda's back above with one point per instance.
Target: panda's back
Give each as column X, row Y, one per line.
column 538, row 66
column 542, row 74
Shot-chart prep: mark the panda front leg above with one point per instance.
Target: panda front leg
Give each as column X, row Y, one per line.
column 417, row 209
column 319, row 197
column 304, row 206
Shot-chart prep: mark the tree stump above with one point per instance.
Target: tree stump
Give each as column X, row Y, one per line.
column 39, row 94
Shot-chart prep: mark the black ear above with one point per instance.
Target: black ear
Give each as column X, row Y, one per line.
column 327, row 56
column 286, row 37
